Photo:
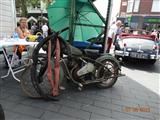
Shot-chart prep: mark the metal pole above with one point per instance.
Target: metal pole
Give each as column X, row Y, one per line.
column 41, row 16
column 72, row 21
column 14, row 12
column 108, row 18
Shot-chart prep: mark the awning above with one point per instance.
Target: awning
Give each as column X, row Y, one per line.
column 31, row 18
column 152, row 19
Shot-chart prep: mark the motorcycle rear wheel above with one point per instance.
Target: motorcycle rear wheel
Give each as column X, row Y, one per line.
column 109, row 73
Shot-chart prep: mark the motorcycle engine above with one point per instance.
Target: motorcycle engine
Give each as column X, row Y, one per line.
column 87, row 68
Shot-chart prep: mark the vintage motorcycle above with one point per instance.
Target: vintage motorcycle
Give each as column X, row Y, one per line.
column 80, row 66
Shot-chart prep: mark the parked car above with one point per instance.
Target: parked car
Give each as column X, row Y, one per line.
column 137, row 47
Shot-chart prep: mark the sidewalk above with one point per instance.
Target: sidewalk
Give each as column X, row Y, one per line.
column 127, row 100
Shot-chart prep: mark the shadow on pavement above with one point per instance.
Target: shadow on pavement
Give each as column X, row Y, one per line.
column 127, row 100
column 142, row 65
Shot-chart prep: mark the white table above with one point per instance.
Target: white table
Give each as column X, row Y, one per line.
column 4, row 43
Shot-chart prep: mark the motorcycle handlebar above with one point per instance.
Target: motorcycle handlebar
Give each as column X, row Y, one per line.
column 61, row 31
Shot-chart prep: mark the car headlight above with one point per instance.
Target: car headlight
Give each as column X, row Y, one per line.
column 129, row 49
column 152, row 56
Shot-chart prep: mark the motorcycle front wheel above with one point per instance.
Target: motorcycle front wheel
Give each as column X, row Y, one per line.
column 109, row 72
column 39, row 68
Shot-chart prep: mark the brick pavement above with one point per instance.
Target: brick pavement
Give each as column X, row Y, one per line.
column 122, row 102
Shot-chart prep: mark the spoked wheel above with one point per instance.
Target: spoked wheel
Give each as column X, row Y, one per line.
column 25, row 79
column 39, row 68
column 26, row 82
column 109, row 73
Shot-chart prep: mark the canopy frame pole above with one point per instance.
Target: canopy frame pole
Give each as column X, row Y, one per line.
column 88, row 25
column 108, row 18
column 72, row 21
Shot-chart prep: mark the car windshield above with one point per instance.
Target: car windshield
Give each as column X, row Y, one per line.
column 139, row 42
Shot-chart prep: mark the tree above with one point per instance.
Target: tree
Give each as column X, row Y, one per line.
column 22, row 5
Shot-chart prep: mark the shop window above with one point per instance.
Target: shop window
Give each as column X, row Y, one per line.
column 130, row 6
column 155, row 6
column 133, row 6
column 136, row 5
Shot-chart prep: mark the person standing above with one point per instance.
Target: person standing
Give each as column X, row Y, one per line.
column 120, row 30
column 112, row 33
column 155, row 33
column 33, row 28
column 45, row 30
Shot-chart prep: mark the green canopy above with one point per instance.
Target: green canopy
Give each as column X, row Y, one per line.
column 81, row 16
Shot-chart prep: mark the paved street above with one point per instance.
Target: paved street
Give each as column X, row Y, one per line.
column 134, row 97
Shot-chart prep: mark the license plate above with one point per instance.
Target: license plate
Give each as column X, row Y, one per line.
column 139, row 55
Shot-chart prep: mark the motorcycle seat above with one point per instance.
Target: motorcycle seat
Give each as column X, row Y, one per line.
column 92, row 53
column 75, row 51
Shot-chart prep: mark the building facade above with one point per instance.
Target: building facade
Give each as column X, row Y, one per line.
column 141, row 14
column 7, row 17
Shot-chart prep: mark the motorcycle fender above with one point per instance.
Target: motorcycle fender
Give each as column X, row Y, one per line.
column 110, row 57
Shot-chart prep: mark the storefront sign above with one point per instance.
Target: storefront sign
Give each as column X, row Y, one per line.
column 152, row 20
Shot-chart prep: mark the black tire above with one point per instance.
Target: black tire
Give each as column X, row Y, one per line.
column 39, row 68
column 39, row 80
column 110, row 72
column 26, row 84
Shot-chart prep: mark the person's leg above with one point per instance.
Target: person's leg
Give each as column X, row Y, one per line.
column 115, row 39
column 45, row 34
column 19, row 54
column 109, row 43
